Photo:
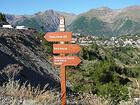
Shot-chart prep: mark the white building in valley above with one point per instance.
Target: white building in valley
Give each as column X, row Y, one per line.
column 21, row 28
column 7, row 26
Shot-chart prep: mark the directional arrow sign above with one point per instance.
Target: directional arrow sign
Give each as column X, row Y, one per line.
column 66, row 48
column 66, row 60
column 58, row 36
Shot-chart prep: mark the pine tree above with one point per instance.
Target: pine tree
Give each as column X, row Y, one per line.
column 2, row 17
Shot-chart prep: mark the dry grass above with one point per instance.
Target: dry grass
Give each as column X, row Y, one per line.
column 130, row 102
column 90, row 99
column 29, row 94
column 13, row 88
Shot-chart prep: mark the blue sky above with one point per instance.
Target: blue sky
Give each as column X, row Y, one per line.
column 71, row 6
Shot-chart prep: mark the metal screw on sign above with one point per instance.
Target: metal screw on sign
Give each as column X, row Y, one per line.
column 63, row 48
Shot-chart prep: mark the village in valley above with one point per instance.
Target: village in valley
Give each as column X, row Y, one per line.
column 122, row 41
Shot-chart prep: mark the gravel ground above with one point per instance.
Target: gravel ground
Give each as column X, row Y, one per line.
column 7, row 100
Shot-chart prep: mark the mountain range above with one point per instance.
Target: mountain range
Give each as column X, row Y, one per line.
column 102, row 22
column 42, row 21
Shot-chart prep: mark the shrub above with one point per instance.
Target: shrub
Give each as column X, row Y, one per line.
column 113, row 91
column 27, row 92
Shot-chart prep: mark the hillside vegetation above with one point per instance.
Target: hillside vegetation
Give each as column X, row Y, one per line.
column 107, row 72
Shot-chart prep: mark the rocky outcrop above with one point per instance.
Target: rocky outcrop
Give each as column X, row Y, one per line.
column 21, row 60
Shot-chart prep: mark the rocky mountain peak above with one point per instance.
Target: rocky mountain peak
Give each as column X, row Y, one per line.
column 104, row 9
column 38, row 13
column 47, row 12
column 50, row 12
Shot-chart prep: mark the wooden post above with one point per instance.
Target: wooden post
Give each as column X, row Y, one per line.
column 62, row 67
column 63, row 84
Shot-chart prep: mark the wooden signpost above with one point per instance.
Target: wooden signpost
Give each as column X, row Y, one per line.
column 62, row 48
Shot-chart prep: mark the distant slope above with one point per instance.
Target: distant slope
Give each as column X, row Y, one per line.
column 128, row 27
column 107, row 22
column 91, row 26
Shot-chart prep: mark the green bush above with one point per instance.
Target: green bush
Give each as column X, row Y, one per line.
column 114, row 91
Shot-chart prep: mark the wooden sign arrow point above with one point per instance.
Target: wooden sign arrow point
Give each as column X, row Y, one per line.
column 78, row 48
column 78, row 60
